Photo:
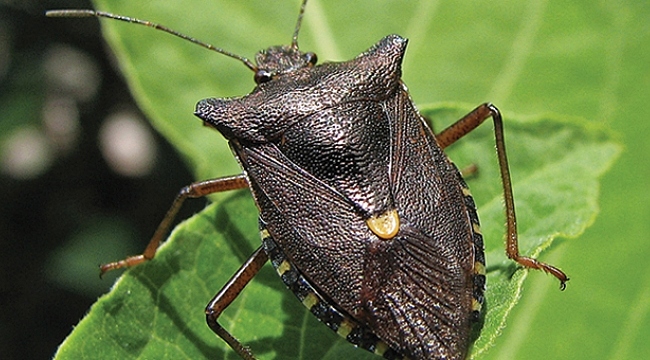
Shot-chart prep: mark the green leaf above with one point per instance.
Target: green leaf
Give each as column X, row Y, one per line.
column 155, row 310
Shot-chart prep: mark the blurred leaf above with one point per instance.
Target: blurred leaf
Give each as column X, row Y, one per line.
column 98, row 239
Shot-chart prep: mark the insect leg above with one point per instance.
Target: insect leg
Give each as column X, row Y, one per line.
column 226, row 296
column 468, row 171
column 463, row 126
column 194, row 190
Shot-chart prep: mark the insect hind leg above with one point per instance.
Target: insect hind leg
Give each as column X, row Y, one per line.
column 227, row 295
column 464, row 126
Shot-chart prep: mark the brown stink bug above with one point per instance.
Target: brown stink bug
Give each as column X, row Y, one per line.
column 362, row 214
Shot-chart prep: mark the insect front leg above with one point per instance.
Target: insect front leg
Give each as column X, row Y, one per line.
column 227, row 295
column 194, row 190
column 462, row 127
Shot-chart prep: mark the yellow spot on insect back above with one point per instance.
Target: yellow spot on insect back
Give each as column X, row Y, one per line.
column 476, row 228
column 283, row 267
column 476, row 306
column 466, row 192
column 345, row 328
column 384, row 225
column 310, row 300
column 479, row 268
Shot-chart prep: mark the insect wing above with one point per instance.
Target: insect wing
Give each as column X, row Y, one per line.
column 423, row 280
column 315, row 226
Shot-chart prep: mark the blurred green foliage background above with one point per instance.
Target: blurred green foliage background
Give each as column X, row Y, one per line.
column 63, row 209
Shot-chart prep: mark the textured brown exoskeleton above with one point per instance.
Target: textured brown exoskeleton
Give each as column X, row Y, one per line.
column 361, row 213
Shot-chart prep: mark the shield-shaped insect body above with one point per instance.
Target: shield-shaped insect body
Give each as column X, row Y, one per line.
column 328, row 150
column 362, row 214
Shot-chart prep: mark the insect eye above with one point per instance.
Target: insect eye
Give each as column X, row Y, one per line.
column 262, row 76
column 311, row 58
